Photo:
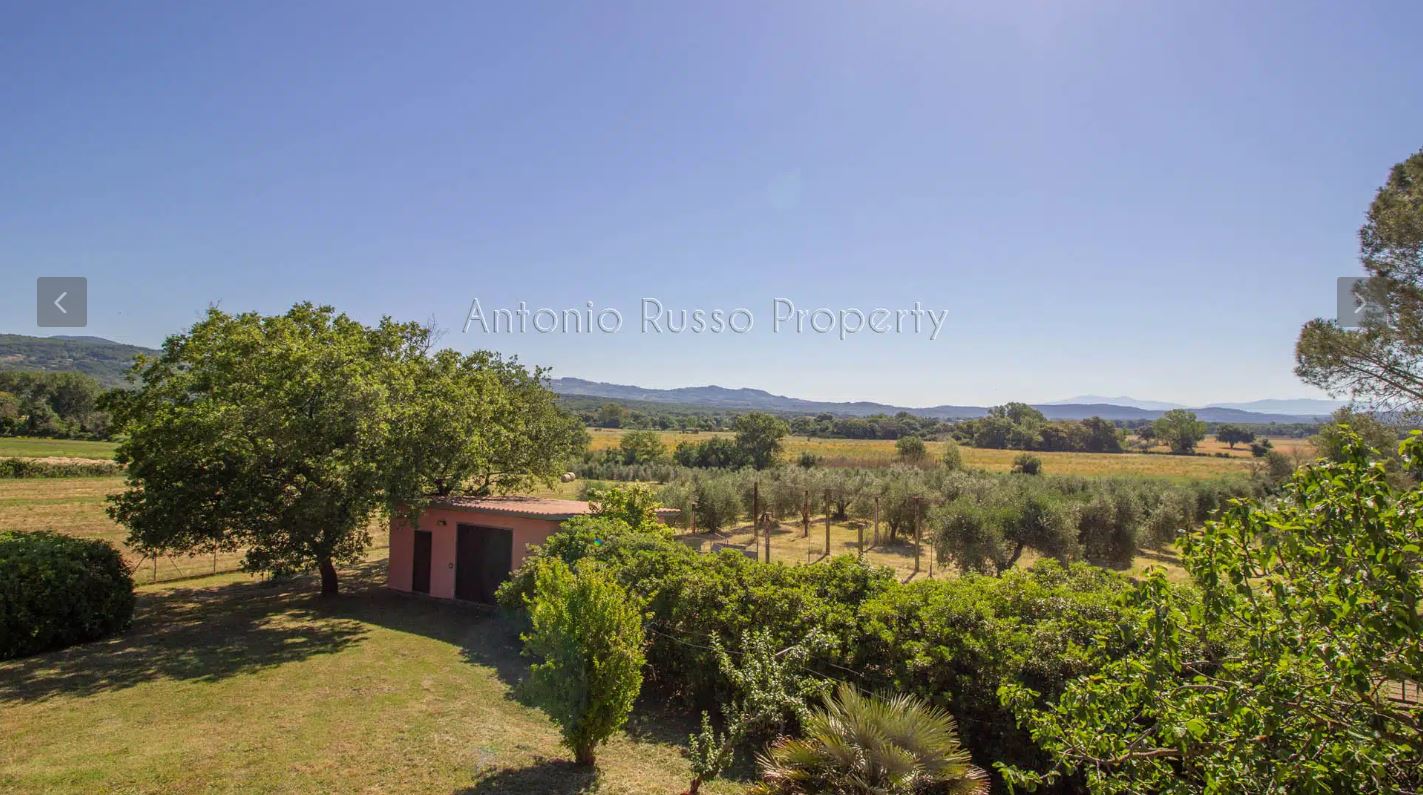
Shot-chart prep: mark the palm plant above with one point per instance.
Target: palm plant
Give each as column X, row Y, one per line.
column 863, row 745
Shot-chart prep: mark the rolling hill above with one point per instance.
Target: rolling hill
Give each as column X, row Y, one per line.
column 105, row 360
column 743, row 399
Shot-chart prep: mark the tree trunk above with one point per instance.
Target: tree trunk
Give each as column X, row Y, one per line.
column 584, row 756
column 1017, row 553
column 329, row 585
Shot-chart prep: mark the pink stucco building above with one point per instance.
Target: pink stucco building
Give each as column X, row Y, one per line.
column 465, row 546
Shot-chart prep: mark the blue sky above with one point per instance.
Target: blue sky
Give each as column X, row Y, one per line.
column 1106, row 197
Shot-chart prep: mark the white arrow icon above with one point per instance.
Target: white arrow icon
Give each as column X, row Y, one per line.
column 57, row 304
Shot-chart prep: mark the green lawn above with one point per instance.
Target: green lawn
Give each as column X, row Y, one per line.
column 24, row 447
column 234, row 685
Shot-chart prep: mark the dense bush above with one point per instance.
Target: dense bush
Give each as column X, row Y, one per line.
column 57, row 590
column 31, row 468
column 951, row 642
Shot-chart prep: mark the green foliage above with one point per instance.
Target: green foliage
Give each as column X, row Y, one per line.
column 954, row 642
column 1380, row 363
column 1280, row 679
column 31, row 468
column 1025, row 464
column 771, row 693
column 52, row 404
column 283, row 435
column 1332, row 442
column 269, row 433
column 856, row 744
column 910, row 449
column 586, row 632
column 1018, row 426
column 471, row 424
column 718, row 503
column 634, row 504
column 952, row 457
column 1233, row 435
column 759, row 437
column 57, row 590
column 714, row 453
column 988, row 532
column 641, row 447
column 1180, row 429
column 807, row 460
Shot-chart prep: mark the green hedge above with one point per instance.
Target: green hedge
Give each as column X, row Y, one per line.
column 952, row 642
column 31, row 468
column 56, row 590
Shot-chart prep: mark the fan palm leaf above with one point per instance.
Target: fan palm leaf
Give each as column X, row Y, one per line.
column 862, row 745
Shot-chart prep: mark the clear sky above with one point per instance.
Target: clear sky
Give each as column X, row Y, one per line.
column 1141, row 198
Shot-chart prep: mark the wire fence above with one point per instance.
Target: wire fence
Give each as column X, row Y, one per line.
column 150, row 569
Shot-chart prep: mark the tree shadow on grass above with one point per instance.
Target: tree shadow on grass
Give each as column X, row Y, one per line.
column 196, row 634
column 545, row 777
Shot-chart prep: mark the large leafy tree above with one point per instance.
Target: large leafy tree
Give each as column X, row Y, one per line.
column 267, row 433
column 759, row 436
column 283, row 435
column 476, row 424
column 1287, row 675
column 1180, row 429
column 1380, row 363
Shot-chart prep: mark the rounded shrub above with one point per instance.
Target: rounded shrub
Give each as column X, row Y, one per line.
column 56, row 591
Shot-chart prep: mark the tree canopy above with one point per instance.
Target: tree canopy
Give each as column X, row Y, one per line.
column 1285, row 675
column 1380, row 363
column 1180, row 429
column 283, row 435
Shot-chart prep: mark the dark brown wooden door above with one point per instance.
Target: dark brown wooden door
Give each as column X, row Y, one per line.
column 483, row 558
column 420, row 573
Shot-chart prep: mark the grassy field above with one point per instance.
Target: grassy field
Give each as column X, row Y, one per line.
column 75, row 506
column 23, row 447
column 872, row 452
column 227, row 685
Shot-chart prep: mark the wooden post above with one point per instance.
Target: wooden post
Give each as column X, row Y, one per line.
column 827, row 524
column 768, row 545
column 876, row 541
column 916, row 535
column 805, row 516
column 860, row 528
column 755, row 509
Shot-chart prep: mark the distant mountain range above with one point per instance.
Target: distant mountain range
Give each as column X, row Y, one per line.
column 1294, row 406
column 717, row 397
column 107, row 361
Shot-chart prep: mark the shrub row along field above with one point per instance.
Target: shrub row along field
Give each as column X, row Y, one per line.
column 950, row 642
column 882, row 452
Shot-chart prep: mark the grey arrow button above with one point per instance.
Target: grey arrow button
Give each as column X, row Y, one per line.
column 61, row 302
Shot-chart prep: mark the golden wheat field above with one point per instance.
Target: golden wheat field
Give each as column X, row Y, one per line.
column 879, row 452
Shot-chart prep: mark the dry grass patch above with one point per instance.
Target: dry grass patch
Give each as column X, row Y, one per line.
column 881, row 452
column 790, row 545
